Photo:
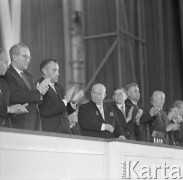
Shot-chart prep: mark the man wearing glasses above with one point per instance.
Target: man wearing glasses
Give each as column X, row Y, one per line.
column 22, row 88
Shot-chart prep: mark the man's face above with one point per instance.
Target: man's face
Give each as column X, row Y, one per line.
column 51, row 71
column 22, row 59
column 134, row 93
column 98, row 94
column 159, row 100
column 4, row 63
column 119, row 96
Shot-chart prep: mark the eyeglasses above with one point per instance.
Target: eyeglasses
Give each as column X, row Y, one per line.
column 25, row 56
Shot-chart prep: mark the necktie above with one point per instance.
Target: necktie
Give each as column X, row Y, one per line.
column 25, row 80
column 123, row 110
column 53, row 87
column 101, row 111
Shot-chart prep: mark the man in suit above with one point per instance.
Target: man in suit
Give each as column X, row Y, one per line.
column 159, row 124
column 22, row 88
column 119, row 98
column 97, row 119
column 56, row 105
column 133, row 96
column 5, row 108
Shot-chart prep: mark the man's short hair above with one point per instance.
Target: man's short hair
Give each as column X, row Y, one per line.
column 15, row 49
column 45, row 62
column 120, row 88
column 128, row 86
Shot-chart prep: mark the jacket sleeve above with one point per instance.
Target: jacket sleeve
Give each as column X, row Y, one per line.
column 3, row 108
column 118, row 128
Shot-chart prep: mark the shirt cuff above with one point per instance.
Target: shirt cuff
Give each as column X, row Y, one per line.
column 103, row 127
column 65, row 102
column 74, row 105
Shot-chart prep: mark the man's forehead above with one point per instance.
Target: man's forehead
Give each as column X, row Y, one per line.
column 98, row 88
column 119, row 91
column 24, row 50
column 133, row 88
column 52, row 65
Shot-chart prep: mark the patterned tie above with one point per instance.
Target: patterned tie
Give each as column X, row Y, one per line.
column 25, row 80
column 101, row 111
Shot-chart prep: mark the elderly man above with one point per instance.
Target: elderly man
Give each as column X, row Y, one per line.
column 119, row 98
column 97, row 119
column 159, row 125
column 56, row 106
column 22, row 88
column 5, row 109
column 133, row 96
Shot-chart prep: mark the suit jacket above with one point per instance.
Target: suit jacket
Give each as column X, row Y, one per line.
column 159, row 124
column 122, row 120
column 53, row 112
column 20, row 93
column 132, row 126
column 4, row 103
column 91, row 120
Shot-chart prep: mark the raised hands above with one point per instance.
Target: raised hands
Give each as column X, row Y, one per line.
column 74, row 95
column 18, row 109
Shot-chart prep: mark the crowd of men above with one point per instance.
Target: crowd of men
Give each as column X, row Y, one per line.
column 45, row 105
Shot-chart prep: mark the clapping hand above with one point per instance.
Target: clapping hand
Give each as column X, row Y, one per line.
column 154, row 111
column 43, row 86
column 69, row 94
column 18, row 109
column 172, row 127
column 77, row 96
column 130, row 112
column 138, row 116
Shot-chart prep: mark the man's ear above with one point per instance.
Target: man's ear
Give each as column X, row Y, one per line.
column 44, row 71
column 14, row 57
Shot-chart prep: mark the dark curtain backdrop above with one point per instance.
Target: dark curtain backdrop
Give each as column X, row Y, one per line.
column 42, row 31
column 161, row 59
column 164, row 48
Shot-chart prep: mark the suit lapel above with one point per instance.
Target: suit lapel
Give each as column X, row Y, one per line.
column 14, row 73
column 59, row 93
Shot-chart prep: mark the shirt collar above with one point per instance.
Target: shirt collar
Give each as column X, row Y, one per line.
column 120, row 106
column 99, row 106
column 17, row 70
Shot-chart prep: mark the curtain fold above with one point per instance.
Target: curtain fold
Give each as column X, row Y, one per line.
column 42, row 31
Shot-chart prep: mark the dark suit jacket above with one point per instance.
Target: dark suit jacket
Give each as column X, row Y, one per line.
column 20, row 94
column 91, row 120
column 132, row 126
column 159, row 124
column 4, row 102
column 53, row 112
column 122, row 120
